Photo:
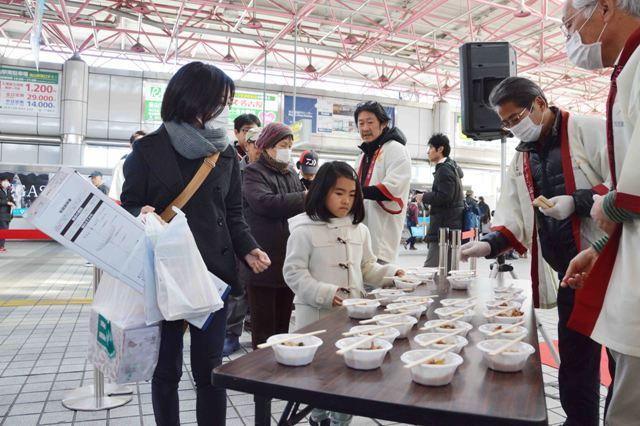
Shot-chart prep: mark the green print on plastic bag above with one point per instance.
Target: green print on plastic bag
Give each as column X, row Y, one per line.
column 105, row 336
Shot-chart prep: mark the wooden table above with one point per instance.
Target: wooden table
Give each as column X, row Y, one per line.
column 476, row 396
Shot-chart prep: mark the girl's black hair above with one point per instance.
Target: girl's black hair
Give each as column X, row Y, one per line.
column 196, row 89
column 326, row 178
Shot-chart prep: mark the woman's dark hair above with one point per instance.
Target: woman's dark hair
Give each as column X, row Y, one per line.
column 326, row 178
column 196, row 89
column 374, row 108
column 244, row 120
column 136, row 135
column 437, row 140
column 521, row 91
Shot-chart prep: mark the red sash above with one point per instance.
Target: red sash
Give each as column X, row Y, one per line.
column 589, row 300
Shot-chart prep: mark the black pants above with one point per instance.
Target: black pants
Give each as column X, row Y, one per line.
column 238, row 308
column 206, row 354
column 4, row 224
column 579, row 374
column 270, row 311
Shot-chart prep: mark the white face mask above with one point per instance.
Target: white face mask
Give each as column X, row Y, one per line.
column 526, row 130
column 586, row 56
column 5, row 184
column 219, row 122
column 283, row 155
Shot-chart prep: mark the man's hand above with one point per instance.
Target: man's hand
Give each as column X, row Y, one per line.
column 579, row 268
column 563, row 207
column 400, row 273
column 474, row 249
column 597, row 214
column 11, row 204
column 337, row 300
column 258, row 260
column 419, row 197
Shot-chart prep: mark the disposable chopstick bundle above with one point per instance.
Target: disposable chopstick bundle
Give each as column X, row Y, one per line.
column 506, row 346
column 504, row 329
column 358, row 343
column 429, row 357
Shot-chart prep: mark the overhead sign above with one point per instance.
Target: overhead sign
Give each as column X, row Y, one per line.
column 326, row 115
column 152, row 94
column 28, row 91
column 252, row 103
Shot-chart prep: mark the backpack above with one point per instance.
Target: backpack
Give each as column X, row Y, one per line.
column 470, row 219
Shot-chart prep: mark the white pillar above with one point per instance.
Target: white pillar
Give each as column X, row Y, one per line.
column 75, row 95
column 442, row 117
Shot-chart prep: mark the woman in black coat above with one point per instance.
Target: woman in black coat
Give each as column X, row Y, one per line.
column 273, row 194
column 160, row 166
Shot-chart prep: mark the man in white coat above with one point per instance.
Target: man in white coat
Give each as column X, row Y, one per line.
column 384, row 170
column 117, row 179
column 562, row 157
column 605, row 33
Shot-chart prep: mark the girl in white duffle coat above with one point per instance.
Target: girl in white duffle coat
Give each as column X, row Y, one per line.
column 329, row 255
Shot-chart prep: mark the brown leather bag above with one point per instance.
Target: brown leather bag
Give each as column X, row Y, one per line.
column 181, row 200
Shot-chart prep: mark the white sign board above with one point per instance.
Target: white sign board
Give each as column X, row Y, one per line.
column 76, row 214
column 29, row 92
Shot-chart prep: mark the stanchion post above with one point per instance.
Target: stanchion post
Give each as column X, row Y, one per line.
column 92, row 397
column 456, row 242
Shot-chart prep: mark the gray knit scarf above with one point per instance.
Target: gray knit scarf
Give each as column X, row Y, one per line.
column 195, row 143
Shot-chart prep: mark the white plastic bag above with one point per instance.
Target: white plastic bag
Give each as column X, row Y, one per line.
column 152, row 228
column 121, row 345
column 183, row 283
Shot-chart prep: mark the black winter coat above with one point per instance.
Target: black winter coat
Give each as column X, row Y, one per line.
column 5, row 208
column 445, row 199
column 271, row 198
column 155, row 174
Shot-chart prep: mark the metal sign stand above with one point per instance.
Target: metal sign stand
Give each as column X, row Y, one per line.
column 500, row 267
column 98, row 396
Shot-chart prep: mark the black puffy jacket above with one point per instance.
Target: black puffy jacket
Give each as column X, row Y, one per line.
column 446, row 200
column 556, row 236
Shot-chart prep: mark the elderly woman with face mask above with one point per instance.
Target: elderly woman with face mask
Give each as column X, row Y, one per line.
column 194, row 114
column 273, row 194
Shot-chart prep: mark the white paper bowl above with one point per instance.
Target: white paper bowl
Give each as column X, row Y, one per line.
column 507, row 362
column 507, row 290
column 407, row 323
column 386, row 296
column 424, row 276
column 406, row 283
column 501, row 304
column 459, row 303
column 444, row 313
column 425, row 300
column 460, row 282
column 362, row 359
column 432, row 375
column 295, row 356
column 390, row 334
column 364, row 311
column 459, row 341
column 501, row 318
column 445, row 329
column 514, row 333
column 416, row 311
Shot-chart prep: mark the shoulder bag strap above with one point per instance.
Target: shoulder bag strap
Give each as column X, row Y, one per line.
column 181, row 200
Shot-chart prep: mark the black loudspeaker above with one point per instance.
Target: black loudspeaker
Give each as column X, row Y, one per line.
column 482, row 67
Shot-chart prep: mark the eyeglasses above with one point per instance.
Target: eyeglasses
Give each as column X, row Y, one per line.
column 514, row 120
column 565, row 27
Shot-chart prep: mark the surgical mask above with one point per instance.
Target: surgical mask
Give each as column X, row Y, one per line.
column 586, row 56
column 5, row 184
column 283, row 155
column 526, row 130
column 219, row 122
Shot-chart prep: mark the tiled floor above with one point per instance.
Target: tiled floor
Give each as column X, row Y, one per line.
column 43, row 340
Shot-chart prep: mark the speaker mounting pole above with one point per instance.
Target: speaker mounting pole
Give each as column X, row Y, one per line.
column 503, row 160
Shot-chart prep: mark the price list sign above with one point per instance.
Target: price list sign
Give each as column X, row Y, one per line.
column 28, row 91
